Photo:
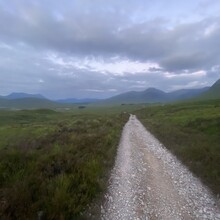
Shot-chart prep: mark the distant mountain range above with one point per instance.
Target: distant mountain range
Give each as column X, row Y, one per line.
column 22, row 95
column 28, row 103
column 150, row 95
column 33, row 101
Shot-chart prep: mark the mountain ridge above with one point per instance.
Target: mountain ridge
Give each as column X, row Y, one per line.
column 153, row 95
column 27, row 103
column 149, row 95
column 21, row 95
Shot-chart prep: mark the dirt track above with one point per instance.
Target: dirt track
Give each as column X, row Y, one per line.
column 148, row 182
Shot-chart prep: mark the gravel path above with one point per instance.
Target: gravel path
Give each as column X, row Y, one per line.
column 148, row 182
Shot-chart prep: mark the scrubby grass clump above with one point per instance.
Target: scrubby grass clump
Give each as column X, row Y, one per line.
column 192, row 132
column 54, row 164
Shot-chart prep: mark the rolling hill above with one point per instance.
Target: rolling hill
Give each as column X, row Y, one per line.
column 21, row 95
column 28, row 103
column 34, row 101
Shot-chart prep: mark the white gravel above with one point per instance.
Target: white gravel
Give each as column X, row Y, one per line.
column 148, row 182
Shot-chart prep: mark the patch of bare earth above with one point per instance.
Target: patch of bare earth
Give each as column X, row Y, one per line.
column 148, row 182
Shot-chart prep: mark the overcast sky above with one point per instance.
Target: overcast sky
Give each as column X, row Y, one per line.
column 100, row 48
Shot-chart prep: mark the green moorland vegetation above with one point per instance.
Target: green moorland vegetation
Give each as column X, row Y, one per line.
column 54, row 163
column 57, row 163
column 191, row 130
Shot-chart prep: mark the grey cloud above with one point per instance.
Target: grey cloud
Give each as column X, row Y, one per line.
column 194, row 46
column 93, row 28
column 184, row 62
column 106, row 34
column 33, row 74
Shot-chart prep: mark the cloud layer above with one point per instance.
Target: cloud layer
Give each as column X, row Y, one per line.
column 101, row 48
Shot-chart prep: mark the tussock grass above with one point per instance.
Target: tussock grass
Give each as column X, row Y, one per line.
column 54, row 164
column 192, row 132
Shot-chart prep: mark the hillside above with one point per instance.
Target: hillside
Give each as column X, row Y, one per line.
column 28, row 103
column 186, row 93
column 152, row 95
column 212, row 93
column 21, row 95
